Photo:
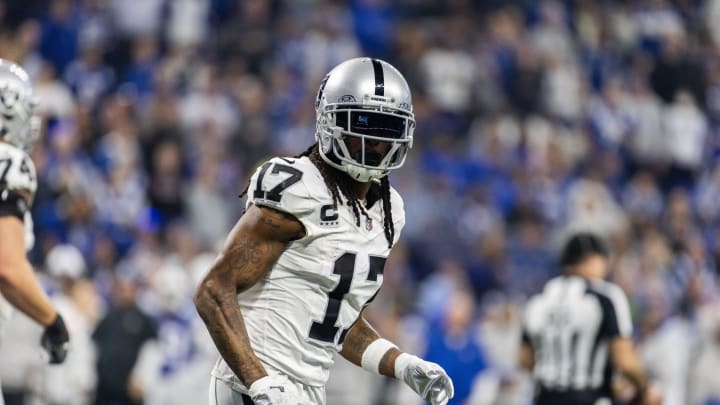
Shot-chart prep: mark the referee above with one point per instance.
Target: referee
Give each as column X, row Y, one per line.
column 576, row 333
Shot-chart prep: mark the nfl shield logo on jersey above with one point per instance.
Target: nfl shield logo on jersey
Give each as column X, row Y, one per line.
column 368, row 224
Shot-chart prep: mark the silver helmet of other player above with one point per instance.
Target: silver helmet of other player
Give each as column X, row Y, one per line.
column 367, row 99
column 18, row 125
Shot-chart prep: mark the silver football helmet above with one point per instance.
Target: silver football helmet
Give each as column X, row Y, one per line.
column 367, row 99
column 18, row 125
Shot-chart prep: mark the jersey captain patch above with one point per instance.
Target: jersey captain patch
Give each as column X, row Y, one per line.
column 329, row 215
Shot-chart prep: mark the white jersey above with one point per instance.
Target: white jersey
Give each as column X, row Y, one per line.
column 17, row 173
column 297, row 316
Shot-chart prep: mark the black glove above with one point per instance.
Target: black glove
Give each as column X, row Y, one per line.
column 55, row 340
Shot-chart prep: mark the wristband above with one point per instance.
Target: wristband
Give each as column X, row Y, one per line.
column 374, row 353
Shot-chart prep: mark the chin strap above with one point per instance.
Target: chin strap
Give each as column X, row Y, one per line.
column 362, row 174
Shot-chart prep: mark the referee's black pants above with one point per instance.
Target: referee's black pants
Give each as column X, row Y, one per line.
column 572, row 397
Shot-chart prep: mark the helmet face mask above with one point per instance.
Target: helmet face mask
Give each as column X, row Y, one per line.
column 18, row 124
column 350, row 111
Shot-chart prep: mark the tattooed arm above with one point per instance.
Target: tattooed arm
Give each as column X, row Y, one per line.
column 252, row 248
column 359, row 338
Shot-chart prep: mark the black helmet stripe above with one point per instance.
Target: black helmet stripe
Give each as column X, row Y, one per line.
column 379, row 78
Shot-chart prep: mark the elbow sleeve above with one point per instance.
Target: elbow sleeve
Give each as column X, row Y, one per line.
column 13, row 204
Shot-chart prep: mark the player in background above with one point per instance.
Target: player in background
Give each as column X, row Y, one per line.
column 19, row 286
column 288, row 290
column 173, row 368
column 578, row 332
column 74, row 295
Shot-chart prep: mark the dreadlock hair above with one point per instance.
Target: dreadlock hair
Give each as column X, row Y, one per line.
column 339, row 183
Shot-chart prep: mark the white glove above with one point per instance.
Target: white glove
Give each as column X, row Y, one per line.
column 428, row 379
column 274, row 390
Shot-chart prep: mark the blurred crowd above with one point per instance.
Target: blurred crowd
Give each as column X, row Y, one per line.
column 535, row 118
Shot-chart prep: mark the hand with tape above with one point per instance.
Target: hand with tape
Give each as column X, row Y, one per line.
column 428, row 379
column 274, row 390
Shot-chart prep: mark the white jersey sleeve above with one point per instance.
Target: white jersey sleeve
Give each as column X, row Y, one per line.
column 398, row 213
column 18, row 178
column 279, row 184
column 17, row 171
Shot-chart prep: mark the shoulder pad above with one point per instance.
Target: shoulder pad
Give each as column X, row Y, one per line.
column 287, row 184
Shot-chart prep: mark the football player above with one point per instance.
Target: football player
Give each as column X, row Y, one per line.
column 19, row 287
column 288, row 290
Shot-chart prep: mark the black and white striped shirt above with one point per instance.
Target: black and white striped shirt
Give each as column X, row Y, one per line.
column 569, row 325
